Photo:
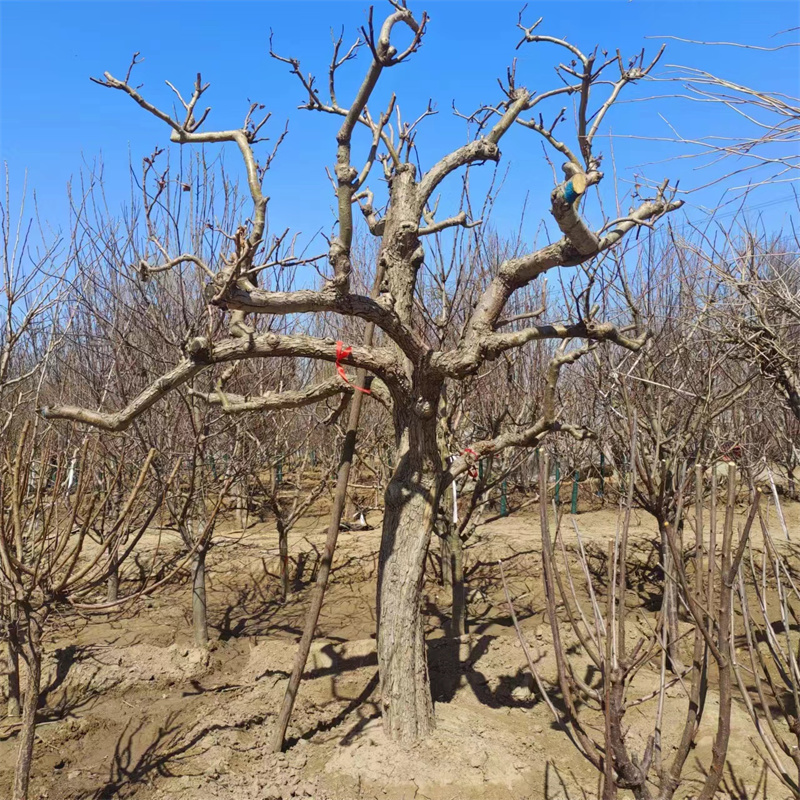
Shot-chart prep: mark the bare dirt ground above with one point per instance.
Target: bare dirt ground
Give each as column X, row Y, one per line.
column 130, row 709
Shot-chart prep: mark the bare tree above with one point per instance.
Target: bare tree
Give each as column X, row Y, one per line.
column 32, row 325
column 768, row 675
column 599, row 619
column 32, row 293
column 681, row 388
column 762, row 315
column 412, row 367
column 289, row 503
column 48, row 555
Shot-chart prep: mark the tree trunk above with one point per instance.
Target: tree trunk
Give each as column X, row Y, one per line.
column 446, row 559
column 33, row 659
column 12, row 665
column 455, row 557
column 411, row 499
column 242, row 504
column 669, row 605
column 112, row 592
column 241, row 490
column 112, row 584
column 199, row 606
column 283, row 547
column 452, row 562
column 323, row 567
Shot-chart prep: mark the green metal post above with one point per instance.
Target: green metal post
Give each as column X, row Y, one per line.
column 575, row 479
column 279, row 472
column 504, row 500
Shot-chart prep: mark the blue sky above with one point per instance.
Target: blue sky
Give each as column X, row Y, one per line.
column 54, row 120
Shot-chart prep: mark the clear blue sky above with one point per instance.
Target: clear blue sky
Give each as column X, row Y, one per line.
column 54, row 120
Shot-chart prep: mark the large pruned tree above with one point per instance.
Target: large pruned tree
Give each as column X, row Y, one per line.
column 407, row 358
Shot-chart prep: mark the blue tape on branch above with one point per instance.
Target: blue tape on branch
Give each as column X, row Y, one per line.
column 570, row 195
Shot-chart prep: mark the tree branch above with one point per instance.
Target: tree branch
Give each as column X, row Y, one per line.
column 531, row 435
column 380, row 360
column 483, row 149
column 516, row 273
column 236, row 403
column 262, row 301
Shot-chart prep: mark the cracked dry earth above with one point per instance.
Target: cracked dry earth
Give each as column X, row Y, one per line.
column 130, row 710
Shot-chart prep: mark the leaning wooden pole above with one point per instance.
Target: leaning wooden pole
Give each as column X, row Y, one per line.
column 318, row 594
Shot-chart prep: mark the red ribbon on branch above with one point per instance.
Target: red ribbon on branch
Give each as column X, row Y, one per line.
column 473, row 473
column 344, row 352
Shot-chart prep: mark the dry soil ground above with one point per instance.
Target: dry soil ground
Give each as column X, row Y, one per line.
column 129, row 709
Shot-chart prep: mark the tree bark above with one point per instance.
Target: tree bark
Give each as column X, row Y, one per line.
column 283, row 547
column 113, row 579
column 411, row 499
column 33, row 659
column 199, row 606
column 446, row 560
column 241, row 491
column 242, row 504
column 112, row 584
column 669, row 604
column 12, row 665
column 455, row 557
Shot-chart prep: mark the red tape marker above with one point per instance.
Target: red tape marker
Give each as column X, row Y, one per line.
column 344, row 352
column 472, row 471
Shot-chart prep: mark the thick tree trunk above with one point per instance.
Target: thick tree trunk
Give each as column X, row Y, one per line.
column 33, row 659
column 408, row 523
column 199, row 606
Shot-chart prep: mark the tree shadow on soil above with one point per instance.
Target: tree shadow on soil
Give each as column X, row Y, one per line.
column 249, row 611
column 167, row 750
column 447, row 669
column 57, row 701
column 160, row 756
column 256, row 609
column 557, row 788
column 367, row 711
column 734, row 787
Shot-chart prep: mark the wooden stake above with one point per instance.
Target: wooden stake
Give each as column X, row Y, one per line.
column 323, row 573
